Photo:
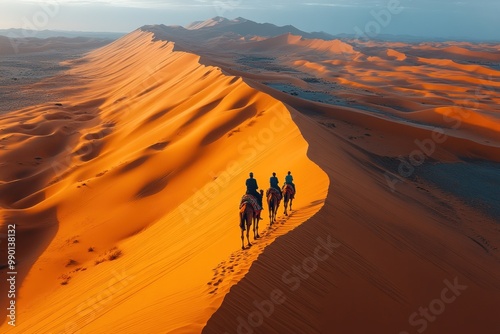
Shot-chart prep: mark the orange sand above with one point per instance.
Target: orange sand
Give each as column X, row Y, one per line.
column 128, row 162
column 126, row 196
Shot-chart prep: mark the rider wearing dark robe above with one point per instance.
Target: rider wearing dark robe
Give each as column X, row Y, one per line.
column 274, row 182
column 289, row 180
column 252, row 187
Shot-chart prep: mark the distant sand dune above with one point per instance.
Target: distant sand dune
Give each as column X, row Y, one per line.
column 398, row 55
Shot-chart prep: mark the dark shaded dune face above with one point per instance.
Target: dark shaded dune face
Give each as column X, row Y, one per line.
column 84, row 118
column 157, row 115
column 231, row 123
column 202, row 111
column 99, row 134
column 159, row 146
column 477, row 182
column 31, row 240
column 134, row 164
column 22, row 194
column 153, row 187
column 58, row 116
column 30, row 166
column 90, row 150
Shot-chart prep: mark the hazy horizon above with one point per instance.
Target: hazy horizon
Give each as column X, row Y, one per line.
column 438, row 19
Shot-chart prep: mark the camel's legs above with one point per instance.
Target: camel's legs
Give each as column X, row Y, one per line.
column 255, row 227
column 242, row 239
column 248, row 235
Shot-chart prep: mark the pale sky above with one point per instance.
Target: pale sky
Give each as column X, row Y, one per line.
column 467, row 19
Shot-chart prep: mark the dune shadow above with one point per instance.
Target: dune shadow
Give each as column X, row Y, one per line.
column 34, row 232
column 90, row 150
column 99, row 134
column 159, row 146
column 223, row 129
column 477, row 183
column 201, row 111
column 134, row 164
column 153, row 187
column 156, row 116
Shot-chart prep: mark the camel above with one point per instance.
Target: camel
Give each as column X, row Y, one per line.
column 273, row 203
column 246, row 218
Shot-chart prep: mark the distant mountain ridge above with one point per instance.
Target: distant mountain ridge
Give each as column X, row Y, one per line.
column 220, row 26
column 244, row 27
column 215, row 21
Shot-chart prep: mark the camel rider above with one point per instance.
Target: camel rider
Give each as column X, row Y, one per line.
column 274, row 182
column 289, row 180
column 252, row 187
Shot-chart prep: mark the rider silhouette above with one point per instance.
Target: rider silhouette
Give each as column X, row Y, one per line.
column 289, row 180
column 252, row 187
column 274, row 182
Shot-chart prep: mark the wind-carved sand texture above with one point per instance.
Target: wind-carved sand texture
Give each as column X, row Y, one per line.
column 125, row 190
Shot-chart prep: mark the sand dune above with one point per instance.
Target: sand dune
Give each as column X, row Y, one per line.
column 125, row 192
column 297, row 44
column 398, row 55
column 467, row 52
column 100, row 171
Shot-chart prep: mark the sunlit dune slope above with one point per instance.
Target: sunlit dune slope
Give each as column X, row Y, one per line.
column 295, row 44
column 126, row 193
